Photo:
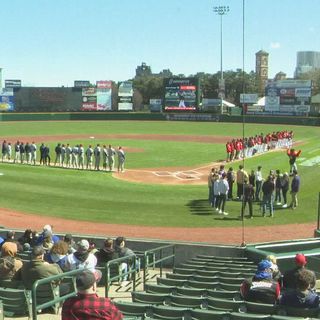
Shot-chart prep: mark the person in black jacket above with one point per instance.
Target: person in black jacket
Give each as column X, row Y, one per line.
column 267, row 190
column 42, row 154
column 106, row 253
column 22, row 152
column 248, row 196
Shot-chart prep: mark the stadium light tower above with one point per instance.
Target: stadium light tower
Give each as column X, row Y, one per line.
column 221, row 11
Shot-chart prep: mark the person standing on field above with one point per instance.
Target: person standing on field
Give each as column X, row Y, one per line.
column 97, row 156
column 111, row 153
column 89, row 156
column 295, row 188
column 223, row 188
column 16, row 152
column 121, row 159
column 33, row 153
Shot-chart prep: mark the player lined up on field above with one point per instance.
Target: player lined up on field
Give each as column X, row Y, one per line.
column 67, row 156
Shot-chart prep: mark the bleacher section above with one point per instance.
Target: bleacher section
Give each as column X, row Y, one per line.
column 199, row 293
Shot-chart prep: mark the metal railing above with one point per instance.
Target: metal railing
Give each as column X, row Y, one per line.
column 73, row 291
column 132, row 266
column 159, row 255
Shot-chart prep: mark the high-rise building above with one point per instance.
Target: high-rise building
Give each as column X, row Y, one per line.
column 307, row 61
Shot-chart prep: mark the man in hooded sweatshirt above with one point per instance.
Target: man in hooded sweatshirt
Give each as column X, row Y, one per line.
column 261, row 288
column 9, row 264
column 81, row 258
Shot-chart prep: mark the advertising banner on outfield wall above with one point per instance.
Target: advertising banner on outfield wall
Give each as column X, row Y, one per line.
column 125, row 96
column 288, row 97
column 104, row 95
column 89, row 99
column 6, row 99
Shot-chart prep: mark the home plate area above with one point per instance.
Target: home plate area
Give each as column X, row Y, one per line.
column 181, row 175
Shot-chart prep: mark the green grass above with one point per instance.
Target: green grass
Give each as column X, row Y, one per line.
column 96, row 196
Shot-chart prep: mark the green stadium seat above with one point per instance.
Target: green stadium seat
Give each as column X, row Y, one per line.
column 131, row 309
column 229, row 287
column 179, row 276
column 171, row 282
column 253, row 307
column 229, row 280
column 198, row 314
column 223, row 294
column 185, row 270
column 155, row 288
column 224, row 304
column 195, row 292
column 16, row 302
column 301, row 312
column 188, row 302
column 150, row 298
column 205, row 278
column 244, row 316
column 170, row 313
column 203, row 285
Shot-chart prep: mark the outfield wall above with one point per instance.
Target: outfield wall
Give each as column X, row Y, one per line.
column 205, row 117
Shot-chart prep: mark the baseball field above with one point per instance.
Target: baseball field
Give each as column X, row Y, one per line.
column 165, row 181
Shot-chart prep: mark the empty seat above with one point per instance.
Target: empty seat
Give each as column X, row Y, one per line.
column 150, row 298
column 155, row 288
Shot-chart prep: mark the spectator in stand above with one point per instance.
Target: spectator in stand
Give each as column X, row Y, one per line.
column 9, row 264
column 285, row 188
column 290, row 277
column 46, row 231
column 107, row 252
column 295, row 187
column 82, row 258
column 69, row 240
column 248, row 196
column 58, row 254
column 267, row 201
column 259, row 180
column 27, row 237
column 276, row 274
column 303, row 296
column 10, row 237
column 37, row 268
column 231, row 179
column 86, row 304
column 261, row 288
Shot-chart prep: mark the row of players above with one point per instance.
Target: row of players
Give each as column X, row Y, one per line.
column 247, row 147
column 65, row 156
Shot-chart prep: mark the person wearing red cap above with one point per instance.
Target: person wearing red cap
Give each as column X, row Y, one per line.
column 290, row 277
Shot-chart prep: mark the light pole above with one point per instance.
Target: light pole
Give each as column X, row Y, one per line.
column 221, row 11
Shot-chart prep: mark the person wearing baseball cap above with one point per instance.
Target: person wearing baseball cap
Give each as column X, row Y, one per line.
column 87, row 304
column 262, row 288
column 82, row 258
column 290, row 277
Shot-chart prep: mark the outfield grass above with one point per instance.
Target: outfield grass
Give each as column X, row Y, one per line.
column 97, row 196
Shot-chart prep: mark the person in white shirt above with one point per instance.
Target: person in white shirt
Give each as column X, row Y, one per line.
column 68, row 155
column 259, row 180
column 33, row 149
column 121, row 159
column 97, row 156
column 223, row 188
column 111, row 153
column 89, row 156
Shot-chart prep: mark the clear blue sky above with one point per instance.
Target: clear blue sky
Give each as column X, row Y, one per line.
column 54, row 42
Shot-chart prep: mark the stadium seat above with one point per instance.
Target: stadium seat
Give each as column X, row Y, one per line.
column 171, row 282
column 155, row 288
column 179, row 276
column 223, row 294
column 13, row 284
column 198, row 314
column 195, row 292
column 301, row 312
column 224, row 304
column 228, row 287
column 244, row 316
column 170, row 313
column 185, row 270
column 150, row 298
column 188, row 302
column 203, row 285
column 16, row 302
column 253, row 307
column 131, row 309
column 229, row 280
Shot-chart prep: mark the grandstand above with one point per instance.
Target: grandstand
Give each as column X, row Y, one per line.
column 171, row 281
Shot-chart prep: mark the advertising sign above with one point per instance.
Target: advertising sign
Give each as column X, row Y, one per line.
column 249, row 98
column 12, row 83
column 125, row 95
column 104, row 84
column 81, row 83
column 155, row 105
column 6, row 99
column 290, row 97
column 89, row 99
column 181, row 94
